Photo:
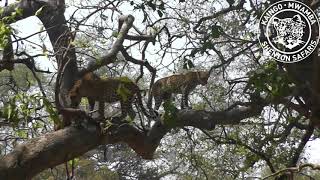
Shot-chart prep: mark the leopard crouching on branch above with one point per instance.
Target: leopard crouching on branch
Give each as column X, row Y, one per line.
column 183, row 84
column 108, row 90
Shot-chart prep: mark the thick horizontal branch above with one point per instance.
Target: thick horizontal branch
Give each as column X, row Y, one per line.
column 54, row 148
column 47, row 151
column 206, row 119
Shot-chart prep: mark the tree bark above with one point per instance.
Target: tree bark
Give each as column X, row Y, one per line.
column 51, row 149
column 47, row 151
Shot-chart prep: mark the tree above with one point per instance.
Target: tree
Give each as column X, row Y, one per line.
column 253, row 113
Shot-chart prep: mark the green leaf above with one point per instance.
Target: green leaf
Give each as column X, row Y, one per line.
column 22, row 133
column 19, row 11
column 124, row 79
column 115, row 34
column 170, row 115
column 123, row 92
column 5, row 32
column 37, row 125
column 53, row 115
column 216, row 31
column 39, row 11
column 70, row 162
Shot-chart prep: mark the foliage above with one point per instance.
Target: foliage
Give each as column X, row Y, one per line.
column 20, row 79
column 84, row 169
column 5, row 30
column 53, row 114
column 123, row 92
column 170, row 113
column 20, row 108
column 124, row 80
column 157, row 6
column 269, row 80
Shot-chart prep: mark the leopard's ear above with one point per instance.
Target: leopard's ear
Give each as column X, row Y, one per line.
column 296, row 18
column 275, row 20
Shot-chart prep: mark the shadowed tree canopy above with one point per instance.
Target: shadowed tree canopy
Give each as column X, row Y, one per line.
column 253, row 113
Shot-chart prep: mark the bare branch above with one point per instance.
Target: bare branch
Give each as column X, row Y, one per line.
column 293, row 170
column 217, row 14
column 125, row 22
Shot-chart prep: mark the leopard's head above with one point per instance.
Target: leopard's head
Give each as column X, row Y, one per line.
column 203, row 77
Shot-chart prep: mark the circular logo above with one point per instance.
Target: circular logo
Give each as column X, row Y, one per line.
column 289, row 31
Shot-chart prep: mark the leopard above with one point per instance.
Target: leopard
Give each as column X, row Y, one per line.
column 289, row 31
column 108, row 90
column 163, row 88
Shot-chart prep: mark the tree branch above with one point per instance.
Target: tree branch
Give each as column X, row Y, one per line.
column 54, row 148
column 293, row 169
column 125, row 23
column 217, row 14
column 47, row 151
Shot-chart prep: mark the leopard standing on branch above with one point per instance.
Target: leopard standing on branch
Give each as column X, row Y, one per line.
column 108, row 90
column 183, row 84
